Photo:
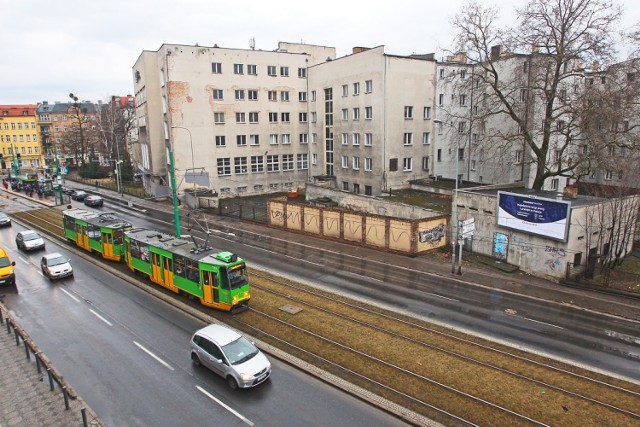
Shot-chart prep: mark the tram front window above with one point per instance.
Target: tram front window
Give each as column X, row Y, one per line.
column 236, row 277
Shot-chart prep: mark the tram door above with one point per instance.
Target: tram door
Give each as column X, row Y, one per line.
column 210, row 286
column 82, row 239
column 107, row 244
column 162, row 270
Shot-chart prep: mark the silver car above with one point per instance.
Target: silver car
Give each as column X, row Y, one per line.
column 29, row 240
column 230, row 355
column 55, row 266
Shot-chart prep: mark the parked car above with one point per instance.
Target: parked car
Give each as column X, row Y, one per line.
column 67, row 190
column 5, row 220
column 55, row 266
column 7, row 275
column 29, row 240
column 79, row 195
column 230, row 355
column 94, row 201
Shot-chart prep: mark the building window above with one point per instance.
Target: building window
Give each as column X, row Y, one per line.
column 239, row 95
column 368, row 164
column 518, row 157
column 284, row 96
column 439, row 155
column 345, row 90
column 368, row 86
column 407, row 164
column 314, row 117
column 345, row 138
column 241, row 140
column 426, row 138
column 285, row 138
column 271, row 70
column 287, row 162
column 356, row 138
column 345, row 114
column 253, row 117
column 554, row 184
column 303, row 138
column 462, row 126
column 314, row 158
column 345, row 162
column 463, row 100
column 224, row 166
column 252, row 95
column 442, row 73
column 368, row 139
column 408, row 138
column 441, row 99
column 272, row 163
column 356, row 114
column 273, row 139
column 252, row 70
column 314, row 138
column 240, row 165
column 523, row 95
column 356, row 163
column 368, row 113
column 284, row 71
column 356, row 188
column 608, row 176
column 285, row 117
column 425, row 163
column 302, row 72
column 303, row 162
column 463, row 74
column 427, row 113
column 218, row 94
column 272, row 95
column 221, row 141
column 257, row 164
column 408, row 112
column 273, row 117
column 302, row 96
column 254, row 139
column 238, row 68
column 302, row 117
column 218, row 118
column 345, row 186
column 356, row 88
column 460, row 154
column 216, row 68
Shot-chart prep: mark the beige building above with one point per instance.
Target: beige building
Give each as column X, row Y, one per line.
column 236, row 119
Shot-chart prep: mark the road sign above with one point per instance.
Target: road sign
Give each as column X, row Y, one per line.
column 467, row 227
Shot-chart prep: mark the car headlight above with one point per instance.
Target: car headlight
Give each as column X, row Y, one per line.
column 246, row 377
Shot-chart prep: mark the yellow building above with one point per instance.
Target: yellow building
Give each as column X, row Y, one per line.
column 19, row 139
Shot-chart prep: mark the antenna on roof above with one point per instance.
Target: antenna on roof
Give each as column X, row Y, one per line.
column 252, row 43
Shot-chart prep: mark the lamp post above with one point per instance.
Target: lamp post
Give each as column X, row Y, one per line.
column 455, row 224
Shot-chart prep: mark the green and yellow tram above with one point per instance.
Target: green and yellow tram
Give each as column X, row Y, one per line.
column 217, row 278
column 96, row 232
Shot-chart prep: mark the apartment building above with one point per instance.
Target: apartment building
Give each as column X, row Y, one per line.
column 235, row 120
column 19, row 138
column 371, row 120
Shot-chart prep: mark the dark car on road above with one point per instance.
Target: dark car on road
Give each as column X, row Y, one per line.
column 79, row 195
column 94, row 200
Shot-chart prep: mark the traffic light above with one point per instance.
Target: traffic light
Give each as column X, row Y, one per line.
column 18, row 156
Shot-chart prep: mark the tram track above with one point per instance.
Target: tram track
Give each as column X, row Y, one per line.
column 437, row 372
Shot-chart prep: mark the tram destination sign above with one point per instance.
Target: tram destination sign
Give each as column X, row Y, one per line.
column 534, row 215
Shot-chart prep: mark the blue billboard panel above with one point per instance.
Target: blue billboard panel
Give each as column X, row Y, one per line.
column 545, row 217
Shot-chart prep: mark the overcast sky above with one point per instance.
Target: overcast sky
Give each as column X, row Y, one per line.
column 88, row 47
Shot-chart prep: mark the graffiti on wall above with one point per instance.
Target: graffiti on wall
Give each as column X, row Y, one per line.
column 500, row 246
column 432, row 236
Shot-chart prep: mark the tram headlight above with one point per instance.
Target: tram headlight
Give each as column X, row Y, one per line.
column 234, row 300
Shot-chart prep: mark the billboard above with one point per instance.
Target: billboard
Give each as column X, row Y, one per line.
column 544, row 217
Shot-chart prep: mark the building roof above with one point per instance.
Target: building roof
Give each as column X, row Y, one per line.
column 576, row 201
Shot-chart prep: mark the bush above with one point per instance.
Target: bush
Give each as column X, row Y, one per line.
column 93, row 171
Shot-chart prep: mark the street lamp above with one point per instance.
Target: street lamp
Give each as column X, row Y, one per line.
column 456, row 238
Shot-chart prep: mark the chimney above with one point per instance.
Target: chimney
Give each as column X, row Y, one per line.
column 460, row 57
column 358, row 49
column 496, row 51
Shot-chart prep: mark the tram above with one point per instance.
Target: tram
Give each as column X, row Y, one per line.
column 217, row 278
column 96, row 232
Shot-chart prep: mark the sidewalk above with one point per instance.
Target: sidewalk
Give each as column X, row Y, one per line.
column 27, row 398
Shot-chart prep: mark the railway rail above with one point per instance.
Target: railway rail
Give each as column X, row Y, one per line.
column 447, row 376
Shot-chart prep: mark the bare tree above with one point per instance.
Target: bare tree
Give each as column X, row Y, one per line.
column 528, row 78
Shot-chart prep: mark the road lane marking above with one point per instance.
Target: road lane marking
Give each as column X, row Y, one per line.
column 228, row 408
column 543, row 323
column 440, row 296
column 100, row 317
column 70, row 295
column 141, row 347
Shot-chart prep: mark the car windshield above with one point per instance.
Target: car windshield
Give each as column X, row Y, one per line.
column 4, row 262
column 3, row 215
column 239, row 351
column 59, row 260
column 31, row 236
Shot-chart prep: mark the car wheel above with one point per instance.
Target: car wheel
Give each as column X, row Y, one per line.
column 195, row 359
column 231, row 382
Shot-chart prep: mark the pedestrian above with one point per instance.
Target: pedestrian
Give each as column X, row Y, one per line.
column 6, row 184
